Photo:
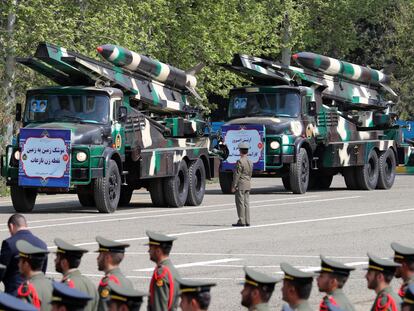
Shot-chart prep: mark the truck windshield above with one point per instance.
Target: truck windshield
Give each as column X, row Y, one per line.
column 282, row 104
column 67, row 108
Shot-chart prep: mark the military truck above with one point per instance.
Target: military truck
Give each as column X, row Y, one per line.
column 306, row 124
column 105, row 130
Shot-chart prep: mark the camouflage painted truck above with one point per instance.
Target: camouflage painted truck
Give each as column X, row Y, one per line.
column 107, row 129
column 306, row 124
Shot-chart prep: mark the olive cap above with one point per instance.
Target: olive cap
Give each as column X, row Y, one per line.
column 124, row 294
column 402, row 252
column 112, row 246
column 159, row 239
column 293, row 274
column 382, row 265
column 332, row 266
column 191, row 286
column 27, row 250
column 67, row 248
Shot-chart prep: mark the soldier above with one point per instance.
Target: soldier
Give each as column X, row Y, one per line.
column 332, row 278
column 408, row 300
column 257, row 290
column 65, row 298
column 164, row 286
column 195, row 295
column 241, row 186
column 68, row 258
column 9, row 302
column 379, row 276
column 36, row 289
column 405, row 256
column 123, row 298
column 297, row 287
column 111, row 253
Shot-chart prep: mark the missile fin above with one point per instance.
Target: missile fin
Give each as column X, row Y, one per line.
column 193, row 92
column 389, row 89
column 196, row 69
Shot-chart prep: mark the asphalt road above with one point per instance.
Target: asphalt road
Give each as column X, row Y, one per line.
column 338, row 223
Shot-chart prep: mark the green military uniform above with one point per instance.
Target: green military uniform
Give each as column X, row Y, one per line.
column 125, row 295
column 408, row 300
column 403, row 254
column 336, row 297
column 241, row 182
column 71, row 298
column 74, row 278
column 194, row 288
column 37, row 289
column 300, row 278
column 114, row 275
column 386, row 299
column 165, row 285
column 263, row 283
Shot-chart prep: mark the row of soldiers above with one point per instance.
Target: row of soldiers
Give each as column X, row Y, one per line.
column 116, row 293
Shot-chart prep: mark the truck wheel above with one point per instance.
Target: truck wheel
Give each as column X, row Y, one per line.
column 108, row 189
column 367, row 175
column 351, row 181
column 226, row 179
column 125, row 196
column 86, row 196
column 23, row 198
column 176, row 187
column 387, row 164
column 286, row 183
column 196, row 183
column 299, row 173
column 156, row 190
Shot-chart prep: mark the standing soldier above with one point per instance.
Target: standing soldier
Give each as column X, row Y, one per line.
column 257, row 290
column 124, row 299
column 111, row 253
column 332, row 278
column 36, row 289
column 408, row 300
column 68, row 258
column 66, row 298
column 297, row 287
column 164, row 286
column 405, row 256
column 241, row 186
column 379, row 276
column 195, row 295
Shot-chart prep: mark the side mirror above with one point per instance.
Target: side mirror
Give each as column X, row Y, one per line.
column 18, row 112
column 122, row 114
column 312, row 108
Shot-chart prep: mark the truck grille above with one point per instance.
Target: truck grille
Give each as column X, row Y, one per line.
column 327, row 119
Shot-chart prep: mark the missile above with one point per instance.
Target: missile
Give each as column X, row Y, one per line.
column 335, row 67
column 170, row 75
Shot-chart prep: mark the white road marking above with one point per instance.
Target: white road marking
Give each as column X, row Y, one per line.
column 194, row 264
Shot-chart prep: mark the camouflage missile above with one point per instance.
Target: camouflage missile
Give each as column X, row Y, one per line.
column 122, row 57
column 335, row 67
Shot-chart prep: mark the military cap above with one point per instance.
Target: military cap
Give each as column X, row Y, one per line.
column 244, row 146
column 9, row 302
column 256, row 278
column 67, row 248
column 379, row 264
column 409, row 295
column 27, row 250
column 68, row 296
column 402, row 252
column 124, row 294
column 159, row 238
column 293, row 274
column 332, row 266
column 189, row 286
column 106, row 245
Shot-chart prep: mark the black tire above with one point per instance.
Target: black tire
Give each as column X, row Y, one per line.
column 299, row 173
column 156, row 190
column 86, row 196
column 196, row 183
column 367, row 175
column 387, row 166
column 125, row 196
column 176, row 187
column 226, row 179
column 351, row 181
column 23, row 198
column 286, row 183
column 108, row 189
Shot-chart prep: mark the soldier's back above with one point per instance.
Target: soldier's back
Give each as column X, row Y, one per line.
column 76, row 280
column 342, row 300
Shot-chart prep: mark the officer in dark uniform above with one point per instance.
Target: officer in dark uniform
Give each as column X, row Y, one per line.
column 257, row 290
column 123, row 298
column 68, row 259
column 11, row 303
column 408, row 300
column 164, row 286
column 241, row 186
column 404, row 255
column 379, row 276
column 332, row 277
column 297, row 287
column 36, row 289
column 111, row 253
column 195, row 295
column 65, row 298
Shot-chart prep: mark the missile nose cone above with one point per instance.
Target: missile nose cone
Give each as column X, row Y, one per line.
column 295, row 56
column 99, row 49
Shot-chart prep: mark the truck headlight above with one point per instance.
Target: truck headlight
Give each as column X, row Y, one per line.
column 81, row 156
column 274, row 145
column 17, row 155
